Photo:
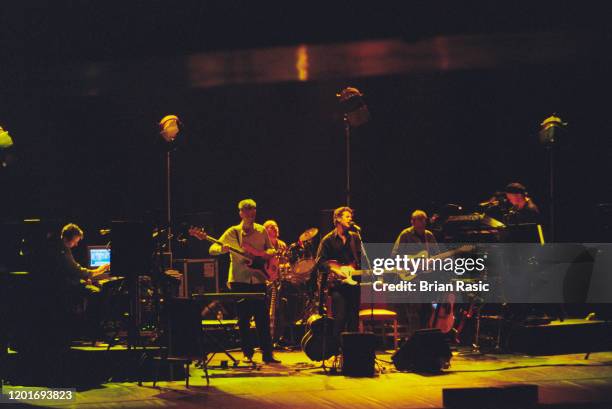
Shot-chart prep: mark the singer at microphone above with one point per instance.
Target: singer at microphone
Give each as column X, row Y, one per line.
column 342, row 246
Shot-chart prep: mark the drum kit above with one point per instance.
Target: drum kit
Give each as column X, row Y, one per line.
column 296, row 263
column 298, row 259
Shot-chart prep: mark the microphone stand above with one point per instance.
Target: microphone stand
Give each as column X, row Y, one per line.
column 364, row 254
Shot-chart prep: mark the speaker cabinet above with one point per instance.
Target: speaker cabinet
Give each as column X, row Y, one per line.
column 358, row 353
column 426, row 351
column 184, row 327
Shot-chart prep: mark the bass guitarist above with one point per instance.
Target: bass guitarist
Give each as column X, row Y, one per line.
column 252, row 239
column 341, row 246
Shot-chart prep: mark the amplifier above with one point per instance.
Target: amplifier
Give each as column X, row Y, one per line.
column 198, row 276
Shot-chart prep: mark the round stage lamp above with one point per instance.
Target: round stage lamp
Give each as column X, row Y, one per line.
column 5, row 139
column 550, row 129
column 169, row 127
column 353, row 106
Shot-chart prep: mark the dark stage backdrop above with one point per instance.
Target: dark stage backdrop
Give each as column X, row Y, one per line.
column 434, row 138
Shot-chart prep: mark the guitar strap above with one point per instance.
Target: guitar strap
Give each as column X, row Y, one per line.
column 238, row 238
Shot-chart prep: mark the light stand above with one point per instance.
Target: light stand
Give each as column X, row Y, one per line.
column 550, row 130
column 169, row 129
column 355, row 114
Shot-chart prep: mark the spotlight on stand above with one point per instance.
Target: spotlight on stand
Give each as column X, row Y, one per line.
column 355, row 114
column 169, row 127
column 353, row 106
column 550, row 131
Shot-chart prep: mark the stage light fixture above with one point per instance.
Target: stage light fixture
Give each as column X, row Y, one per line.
column 550, row 128
column 5, row 139
column 353, row 106
column 169, row 127
column 355, row 114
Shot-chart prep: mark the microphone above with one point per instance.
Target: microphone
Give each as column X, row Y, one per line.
column 354, row 226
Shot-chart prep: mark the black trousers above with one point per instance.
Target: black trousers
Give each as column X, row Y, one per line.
column 345, row 307
column 248, row 309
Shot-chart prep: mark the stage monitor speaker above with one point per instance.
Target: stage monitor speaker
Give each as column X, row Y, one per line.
column 358, row 353
column 131, row 248
column 426, row 351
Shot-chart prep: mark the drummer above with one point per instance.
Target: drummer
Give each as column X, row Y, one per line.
column 274, row 233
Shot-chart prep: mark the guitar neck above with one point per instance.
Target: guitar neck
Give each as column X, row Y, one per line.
column 231, row 249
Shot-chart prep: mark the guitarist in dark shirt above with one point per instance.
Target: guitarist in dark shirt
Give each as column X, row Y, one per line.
column 344, row 247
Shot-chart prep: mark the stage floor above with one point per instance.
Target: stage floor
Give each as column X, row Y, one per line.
column 296, row 383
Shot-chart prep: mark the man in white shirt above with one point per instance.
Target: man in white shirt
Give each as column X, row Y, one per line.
column 253, row 239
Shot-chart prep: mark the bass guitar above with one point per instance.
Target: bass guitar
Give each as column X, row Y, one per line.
column 266, row 269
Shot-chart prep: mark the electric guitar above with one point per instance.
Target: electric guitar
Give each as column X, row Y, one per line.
column 343, row 273
column 266, row 269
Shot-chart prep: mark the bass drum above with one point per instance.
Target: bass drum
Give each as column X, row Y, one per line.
column 300, row 271
column 319, row 342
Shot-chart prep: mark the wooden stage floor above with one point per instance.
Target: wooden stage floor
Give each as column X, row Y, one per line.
column 567, row 380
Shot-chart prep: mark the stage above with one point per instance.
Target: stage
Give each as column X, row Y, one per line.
column 430, row 174
column 564, row 380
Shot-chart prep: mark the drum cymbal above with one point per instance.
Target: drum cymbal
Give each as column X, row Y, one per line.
column 309, row 234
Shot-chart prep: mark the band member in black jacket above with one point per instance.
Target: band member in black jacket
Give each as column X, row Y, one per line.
column 343, row 246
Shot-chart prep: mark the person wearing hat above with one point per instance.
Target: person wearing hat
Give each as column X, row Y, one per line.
column 253, row 239
column 522, row 209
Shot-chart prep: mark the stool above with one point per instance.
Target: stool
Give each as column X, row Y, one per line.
column 382, row 315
